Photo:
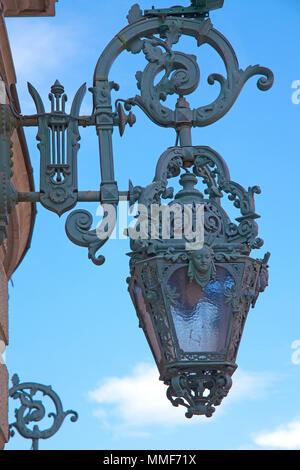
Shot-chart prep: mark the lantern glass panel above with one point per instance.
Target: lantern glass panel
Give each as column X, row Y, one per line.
column 147, row 322
column 201, row 316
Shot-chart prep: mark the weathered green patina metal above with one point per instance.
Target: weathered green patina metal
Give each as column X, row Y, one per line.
column 192, row 303
column 32, row 410
column 58, row 138
column 8, row 194
column 198, row 8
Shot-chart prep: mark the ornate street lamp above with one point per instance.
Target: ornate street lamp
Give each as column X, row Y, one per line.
column 192, row 293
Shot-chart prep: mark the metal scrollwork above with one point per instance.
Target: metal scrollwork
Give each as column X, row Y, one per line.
column 8, row 193
column 181, row 71
column 263, row 278
column 220, row 232
column 78, row 225
column 181, row 75
column 32, row 410
column 209, row 165
column 200, row 392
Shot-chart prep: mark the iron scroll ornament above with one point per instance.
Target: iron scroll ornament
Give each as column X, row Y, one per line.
column 182, row 73
column 207, row 164
column 155, row 37
column 32, row 410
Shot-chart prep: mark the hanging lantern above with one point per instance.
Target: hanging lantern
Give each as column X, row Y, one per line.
column 192, row 299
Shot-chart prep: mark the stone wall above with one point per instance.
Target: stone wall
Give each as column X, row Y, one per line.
column 29, row 7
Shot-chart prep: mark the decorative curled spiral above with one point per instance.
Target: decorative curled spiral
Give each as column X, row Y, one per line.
column 181, row 71
column 78, row 225
column 32, row 410
column 182, row 75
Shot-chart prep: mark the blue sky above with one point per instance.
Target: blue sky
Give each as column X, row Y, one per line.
column 72, row 324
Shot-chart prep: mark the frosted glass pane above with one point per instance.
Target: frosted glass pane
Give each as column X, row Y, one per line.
column 201, row 316
column 138, row 295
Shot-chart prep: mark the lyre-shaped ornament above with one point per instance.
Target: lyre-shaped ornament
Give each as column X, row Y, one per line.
column 58, row 138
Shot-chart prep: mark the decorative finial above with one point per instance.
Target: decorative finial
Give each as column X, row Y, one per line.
column 57, row 89
column 58, row 92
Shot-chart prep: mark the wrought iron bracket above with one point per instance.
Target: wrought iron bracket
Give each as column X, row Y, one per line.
column 154, row 33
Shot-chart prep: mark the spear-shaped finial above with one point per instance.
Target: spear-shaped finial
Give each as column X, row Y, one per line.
column 57, row 89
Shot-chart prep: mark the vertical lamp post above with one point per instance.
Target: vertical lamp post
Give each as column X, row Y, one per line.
column 192, row 292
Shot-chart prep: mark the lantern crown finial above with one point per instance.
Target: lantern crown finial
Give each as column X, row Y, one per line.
column 189, row 192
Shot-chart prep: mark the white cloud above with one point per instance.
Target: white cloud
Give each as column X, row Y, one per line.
column 286, row 436
column 138, row 400
column 249, row 385
column 43, row 52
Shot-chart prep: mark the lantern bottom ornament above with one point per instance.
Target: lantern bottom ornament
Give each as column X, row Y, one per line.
column 192, row 297
column 199, row 391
